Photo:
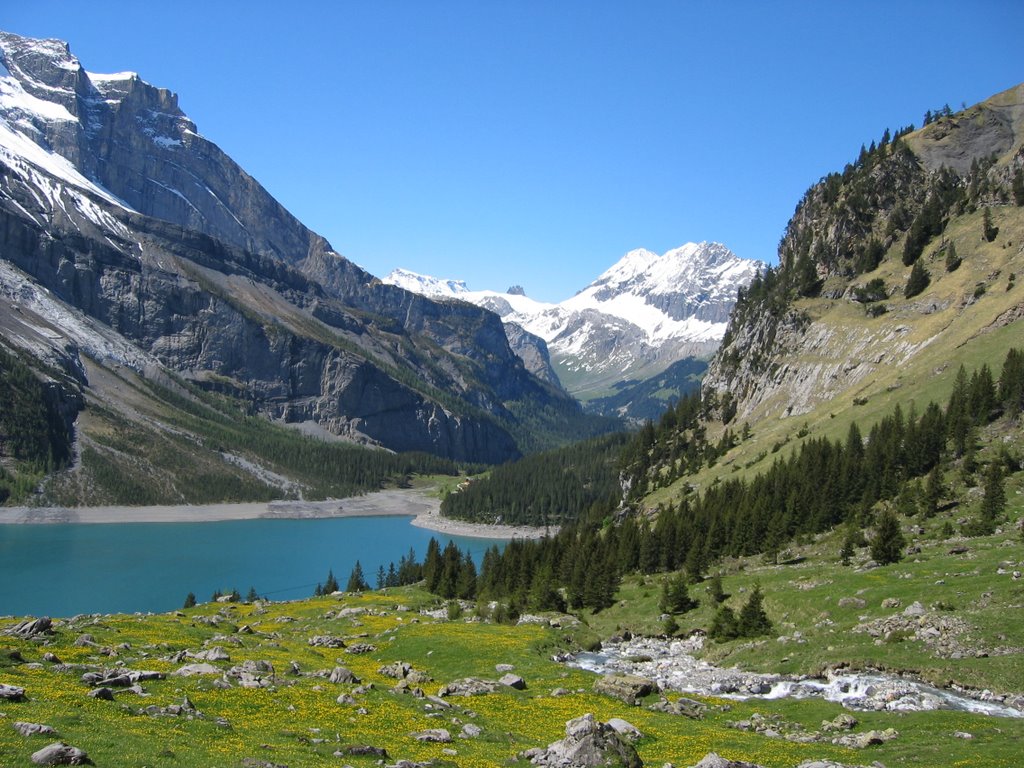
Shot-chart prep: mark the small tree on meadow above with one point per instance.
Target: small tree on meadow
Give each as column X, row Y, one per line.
column 753, row 621
column 953, row 261
column 675, row 596
column 723, row 625
column 331, row 585
column 887, row 546
column 989, row 230
column 190, row 600
column 918, row 280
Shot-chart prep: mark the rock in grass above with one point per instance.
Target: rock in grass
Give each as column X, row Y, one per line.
column 11, row 692
column 513, row 681
column 34, row 729
column 196, row 669
column 60, row 753
column 343, row 675
column 32, row 627
column 470, row 731
column 468, row 686
column 434, row 736
column 587, row 743
column 104, row 693
column 361, row 750
column 713, row 760
column 627, row 688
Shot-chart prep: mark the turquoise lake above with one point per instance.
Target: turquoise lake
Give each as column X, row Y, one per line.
column 68, row 569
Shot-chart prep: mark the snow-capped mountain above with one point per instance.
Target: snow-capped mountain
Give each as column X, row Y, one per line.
column 638, row 317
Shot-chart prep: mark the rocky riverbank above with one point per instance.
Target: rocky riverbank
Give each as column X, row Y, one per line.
column 672, row 666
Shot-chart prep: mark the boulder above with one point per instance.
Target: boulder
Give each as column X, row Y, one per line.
column 361, row 750
column 326, row 641
column 587, row 744
column 627, row 688
column 60, row 753
column 343, row 675
column 11, row 693
column 470, row 731
column 513, row 681
column 190, row 670
column 625, row 729
column 396, row 670
column 681, row 706
column 434, row 735
column 212, row 654
column 31, row 627
column 104, row 693
column 468, row 686
column 713, row 760
column 34, row 729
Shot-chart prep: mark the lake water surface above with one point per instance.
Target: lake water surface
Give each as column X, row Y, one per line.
column 67, row 569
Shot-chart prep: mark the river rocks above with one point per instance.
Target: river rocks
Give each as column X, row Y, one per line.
column 513, row 681
column 343, row 675
column 11, row 693
column 468, row 686
column 587, row 743
column 627, row 688
column 60, row 753
column 34, row 729
column 30, row 628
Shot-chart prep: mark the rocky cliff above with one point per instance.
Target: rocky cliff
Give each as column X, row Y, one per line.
column 835, row 319
column 110, row 199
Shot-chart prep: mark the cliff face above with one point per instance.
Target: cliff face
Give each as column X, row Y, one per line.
column 810, row 331
column 110, row 199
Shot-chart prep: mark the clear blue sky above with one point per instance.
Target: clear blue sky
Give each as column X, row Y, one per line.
column 536, row 141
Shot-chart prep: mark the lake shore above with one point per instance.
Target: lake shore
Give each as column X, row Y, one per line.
column 416, row 503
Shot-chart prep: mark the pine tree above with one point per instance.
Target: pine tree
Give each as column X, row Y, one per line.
column 675, row 597
column 723, row 625
column 932, row 493
column 331, row 585
column 382, row 578
column 887, row 546
column 190, row 600
column 1018, row 186
column 953, row 261
column 989, row 230
column 918, row 280
column 994, row 502
column 252, row 597
column 356, row 580
column 753, row 621
column 432, row 565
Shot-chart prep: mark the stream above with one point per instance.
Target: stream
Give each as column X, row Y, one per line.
column 672, row 665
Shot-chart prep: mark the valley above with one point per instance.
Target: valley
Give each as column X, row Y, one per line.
column 772, row 512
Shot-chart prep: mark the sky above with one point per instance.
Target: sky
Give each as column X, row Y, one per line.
column 535, row 142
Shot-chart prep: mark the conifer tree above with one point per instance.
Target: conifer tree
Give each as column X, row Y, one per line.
column 989, row 230
column 753, row 621
column 918, row 280
column 723, row 625
column 356, row 580
column 953, row 261
column 675, row 597
column 993, row 504
column 887, row 546
column 331, row 585
column 190, row 600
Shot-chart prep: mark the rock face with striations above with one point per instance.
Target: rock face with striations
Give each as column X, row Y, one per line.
column 111, row 200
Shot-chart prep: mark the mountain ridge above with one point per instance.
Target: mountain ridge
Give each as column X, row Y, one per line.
column 637, row 318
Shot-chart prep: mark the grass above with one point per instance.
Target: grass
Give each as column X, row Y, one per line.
column 299, row 723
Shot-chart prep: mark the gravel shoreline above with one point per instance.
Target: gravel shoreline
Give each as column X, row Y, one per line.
column 421, row 505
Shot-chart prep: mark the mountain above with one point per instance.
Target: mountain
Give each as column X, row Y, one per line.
column 632, row 323
column 131, row 243
column 834, row 323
